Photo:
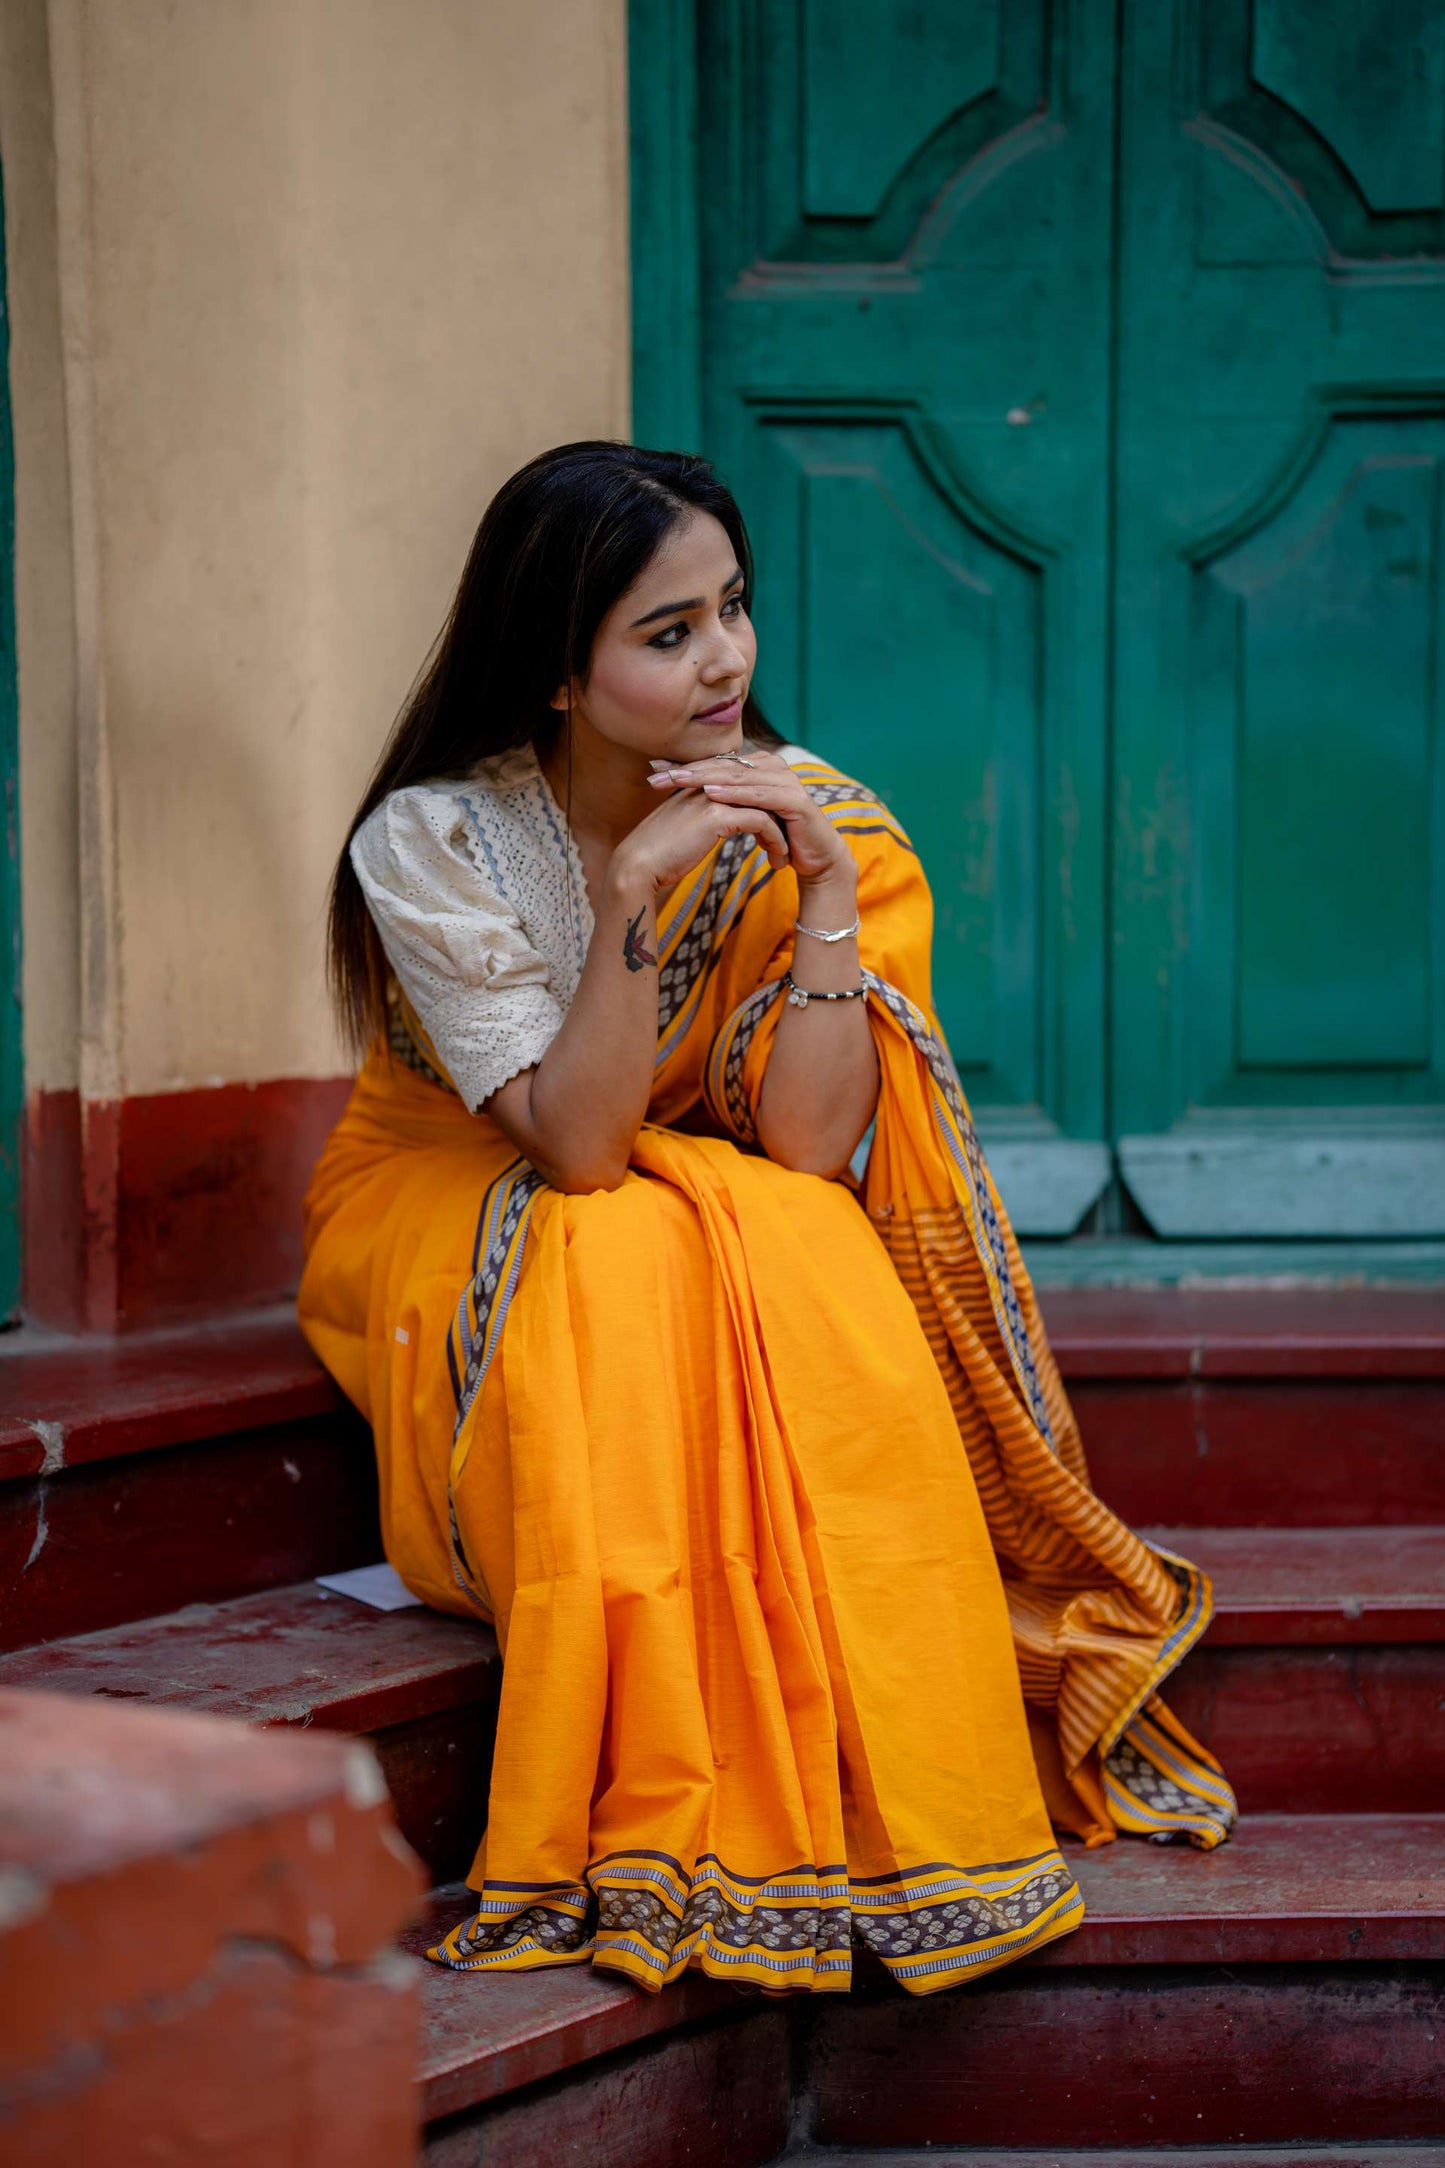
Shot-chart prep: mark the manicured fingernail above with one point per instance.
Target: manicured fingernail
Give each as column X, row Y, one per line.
column 658, row 763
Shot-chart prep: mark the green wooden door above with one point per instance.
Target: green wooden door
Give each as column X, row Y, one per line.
column 1082, row 379
column 1279, row 878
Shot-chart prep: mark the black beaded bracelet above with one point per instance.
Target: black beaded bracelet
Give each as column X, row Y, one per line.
column 799, row 996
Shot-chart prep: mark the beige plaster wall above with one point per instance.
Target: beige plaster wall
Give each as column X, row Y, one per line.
column 328, row 271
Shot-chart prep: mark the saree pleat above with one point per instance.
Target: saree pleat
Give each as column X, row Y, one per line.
column 810, row 1618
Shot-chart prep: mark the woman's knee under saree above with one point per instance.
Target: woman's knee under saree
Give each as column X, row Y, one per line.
column 814, row 1629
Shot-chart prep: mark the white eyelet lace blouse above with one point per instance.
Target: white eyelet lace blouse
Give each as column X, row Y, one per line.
column 478, row 895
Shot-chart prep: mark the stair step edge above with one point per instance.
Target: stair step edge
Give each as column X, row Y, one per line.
column 74, row 1398
column 486, row 2035
column 70, row 1400
column 321, row 1639
column 299, row 1655
column 1341, row 1621
column 1404, row 2155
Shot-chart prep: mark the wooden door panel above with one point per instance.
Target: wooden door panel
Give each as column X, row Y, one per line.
column 1332, row 769
column 1369, row 83
column 879, row 82
column 845, row 123
column 1280, row 826
column 905, row 341
column 907, row 610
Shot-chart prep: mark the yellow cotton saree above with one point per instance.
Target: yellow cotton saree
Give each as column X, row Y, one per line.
column 813, row 1627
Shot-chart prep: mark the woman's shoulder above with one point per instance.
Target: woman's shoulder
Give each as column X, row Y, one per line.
column 412, row 842
column 855, row 809
column 812, row 768
column 461, row 817
column 824, row 781
column 490, row 845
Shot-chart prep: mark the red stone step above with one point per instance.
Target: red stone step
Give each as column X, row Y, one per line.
column 1150, row 2156
column 1184, row 2055
column 1298, row 1889
column 122, row 1538
column 1334, row 1453
column 422, row 1686
column 1251, row 1407
column 141, row 1474
column 1320, row 1682
column 1289, row 1898
column 1280, row 1586
column 1317, row 1730
column 1350, row 1725
column 1260, row 1331
column 1354, row 1901
column 68, row 1399
column 203, row 1464
column 713, row 2093
column 484, row 2037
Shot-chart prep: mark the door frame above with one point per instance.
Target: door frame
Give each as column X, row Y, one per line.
column 665, row 241
column 12, row 1053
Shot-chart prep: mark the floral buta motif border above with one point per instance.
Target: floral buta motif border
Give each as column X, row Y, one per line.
column 639, row 1913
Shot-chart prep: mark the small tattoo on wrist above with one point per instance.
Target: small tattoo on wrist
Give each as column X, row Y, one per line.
column 635, row 952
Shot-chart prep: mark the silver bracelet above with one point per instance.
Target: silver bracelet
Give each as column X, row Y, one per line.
column 816, row 933
column 800, row 996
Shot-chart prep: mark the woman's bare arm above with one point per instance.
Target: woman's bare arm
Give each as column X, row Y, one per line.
column 820, row 1089
column 821, row 1086
column 576, row 1115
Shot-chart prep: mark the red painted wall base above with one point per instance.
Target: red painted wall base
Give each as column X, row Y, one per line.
column 170, row 1206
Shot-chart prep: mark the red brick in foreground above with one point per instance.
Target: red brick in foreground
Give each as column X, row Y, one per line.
column 195, row 1921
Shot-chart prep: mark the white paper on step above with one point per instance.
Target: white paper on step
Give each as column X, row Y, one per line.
column 379, row 1586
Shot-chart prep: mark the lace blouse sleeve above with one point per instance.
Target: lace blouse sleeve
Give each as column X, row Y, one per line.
column 480, row 989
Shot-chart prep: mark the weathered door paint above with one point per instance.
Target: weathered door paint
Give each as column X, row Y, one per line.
column 904, row 212
column 1278, row 895
column 1082, row 373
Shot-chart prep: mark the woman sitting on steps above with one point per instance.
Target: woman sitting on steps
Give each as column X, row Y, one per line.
column 812, row 1623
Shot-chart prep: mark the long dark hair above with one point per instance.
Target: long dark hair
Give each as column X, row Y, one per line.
column 558, row 544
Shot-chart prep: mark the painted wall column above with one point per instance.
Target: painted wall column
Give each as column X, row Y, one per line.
column 293, row 288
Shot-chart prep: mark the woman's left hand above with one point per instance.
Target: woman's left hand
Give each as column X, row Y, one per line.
column 818, row 854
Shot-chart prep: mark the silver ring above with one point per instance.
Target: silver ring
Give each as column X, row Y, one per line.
column 741, row 759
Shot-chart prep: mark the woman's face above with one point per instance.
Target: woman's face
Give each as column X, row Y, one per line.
column 674, row 656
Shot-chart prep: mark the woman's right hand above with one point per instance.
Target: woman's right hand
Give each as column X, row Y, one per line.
column 576, row 1115
column 668, row 843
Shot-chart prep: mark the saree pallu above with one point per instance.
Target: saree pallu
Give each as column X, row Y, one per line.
column 812, row 1625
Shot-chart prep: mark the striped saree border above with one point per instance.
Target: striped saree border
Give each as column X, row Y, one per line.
column 692, row 931
column 476, row 1328
column 725, row 1096
column 641, row 1914
column 1159, row 1783
column 1195, row 1611
column 852, row 809
column 960, row 1138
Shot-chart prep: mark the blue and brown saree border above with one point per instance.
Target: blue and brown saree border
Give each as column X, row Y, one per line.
column 641, row 1914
